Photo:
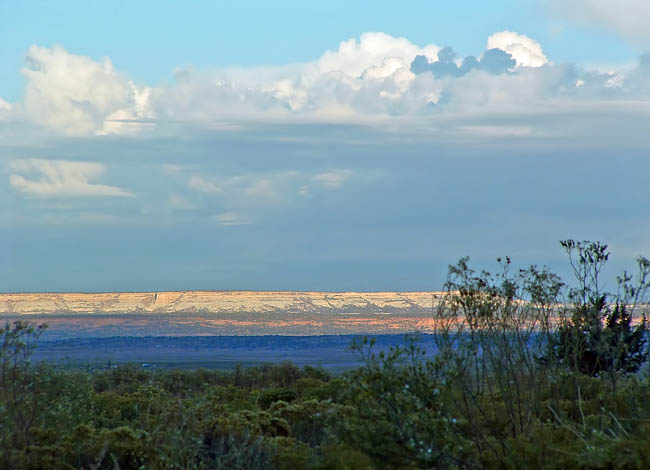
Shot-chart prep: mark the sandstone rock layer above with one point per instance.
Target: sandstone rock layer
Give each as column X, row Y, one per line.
column 224, row 302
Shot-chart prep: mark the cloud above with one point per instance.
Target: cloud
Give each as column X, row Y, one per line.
column 262, row 189
column 253, row 195
column 198, row 183
column 179, row 203
column 229, row 219
column 332, row 179
column 359, row 79
column 505, row 51
column 76, row 95
column 245, row 193
column 627, row 18
column 494, row 61
column 353, row 57
column 60, row 178
column 525, row 51
column 6, row 111
column 375, row 80
column 4, row 107
column 259, row 154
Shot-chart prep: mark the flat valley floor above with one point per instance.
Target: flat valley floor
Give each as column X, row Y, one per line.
column 221, row 341
column 331, row 352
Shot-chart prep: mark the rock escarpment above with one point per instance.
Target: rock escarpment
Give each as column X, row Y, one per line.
column 224, row 302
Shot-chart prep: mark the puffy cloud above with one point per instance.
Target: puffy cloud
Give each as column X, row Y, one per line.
column 60, row 178
column 5, row 110
column 218, row 99
column 495, row 61
column 361, row 78
column 387, row 68
column 627, row 18
column 354, row 57
column 4, row 107
column 368, row 80
column 525, row 51
column 286, row 91
column 77, row 95
column 374, row 80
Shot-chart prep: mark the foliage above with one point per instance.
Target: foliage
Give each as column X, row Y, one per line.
column 597, row 338
column 398, row 417
column 491, row 331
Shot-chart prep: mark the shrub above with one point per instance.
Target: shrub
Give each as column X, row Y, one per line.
column 596, row 338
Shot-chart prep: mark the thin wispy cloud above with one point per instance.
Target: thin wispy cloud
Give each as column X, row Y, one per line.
column 332, row 179
column 229, row 219
column 199, row 183
column 60, row 178
column 627, row 18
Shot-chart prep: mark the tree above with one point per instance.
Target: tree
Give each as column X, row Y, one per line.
column 598, row 336
column 491, row 329
column 20, row 391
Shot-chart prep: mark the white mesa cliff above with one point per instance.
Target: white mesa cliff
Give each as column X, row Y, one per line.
column 218, row 302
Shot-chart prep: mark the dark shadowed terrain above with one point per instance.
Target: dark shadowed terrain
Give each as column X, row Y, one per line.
column 219, row 352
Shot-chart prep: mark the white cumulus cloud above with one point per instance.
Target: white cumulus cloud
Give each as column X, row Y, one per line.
column 53, row 178
column 526, row 51
column 354, row 57
column 76, row 95
column 372, row 80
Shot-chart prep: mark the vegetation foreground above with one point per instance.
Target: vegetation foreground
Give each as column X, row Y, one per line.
column 529, row 374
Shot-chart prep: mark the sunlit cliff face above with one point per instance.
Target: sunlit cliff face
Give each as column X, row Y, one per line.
column 197, row 313
column 219, row 302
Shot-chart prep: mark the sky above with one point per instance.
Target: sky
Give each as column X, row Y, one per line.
column 287, row 145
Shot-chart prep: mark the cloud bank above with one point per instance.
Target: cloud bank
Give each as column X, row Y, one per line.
column 375, row 80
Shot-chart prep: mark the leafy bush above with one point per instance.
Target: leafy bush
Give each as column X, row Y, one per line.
column 597, row 338
column 397, row 416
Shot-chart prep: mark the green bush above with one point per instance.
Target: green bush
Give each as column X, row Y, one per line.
column 597, row 338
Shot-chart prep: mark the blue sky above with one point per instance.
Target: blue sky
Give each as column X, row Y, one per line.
column 296, row 145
